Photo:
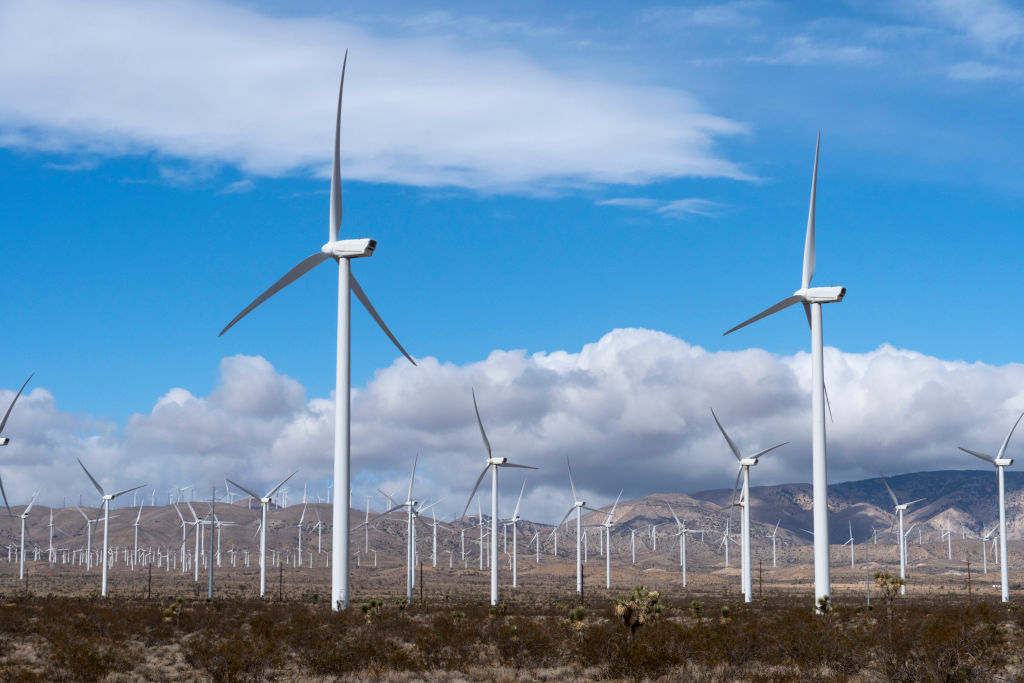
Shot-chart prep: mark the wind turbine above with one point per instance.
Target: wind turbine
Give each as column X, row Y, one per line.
column 264, row 505
column 579, row 506
column 5, row 440
column 492, row 464
column 513, row 521
column 1001, row 462
column 24, row 516
column 812, row 298
column 985, row 535
column 849, row 542
column 900, row 507
column 606, row 529
column 410, row 506
column 341, row 251
column 682, row 531
column 107, row 497
column 772, row 536
column 743, row 469
column 298, row 527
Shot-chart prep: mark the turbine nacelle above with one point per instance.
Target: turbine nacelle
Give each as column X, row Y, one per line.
column 580, row 503
column 497, row 461
column 1003, row 462
column 340, row 249
column 4, row 441
column 821, row 295
column 748, row 462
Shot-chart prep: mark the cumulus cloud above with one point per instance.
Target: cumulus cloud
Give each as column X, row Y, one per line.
column 631, row 410
column 212, row 83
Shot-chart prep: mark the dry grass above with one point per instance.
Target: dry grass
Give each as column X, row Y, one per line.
column 90, row 639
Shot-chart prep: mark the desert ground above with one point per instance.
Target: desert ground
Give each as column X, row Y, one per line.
column 158, row 625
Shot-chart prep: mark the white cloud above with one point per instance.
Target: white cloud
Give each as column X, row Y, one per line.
column 631, row 410
column 990, row 23
column 977, row 71
column 676, row 208
column 211, row 84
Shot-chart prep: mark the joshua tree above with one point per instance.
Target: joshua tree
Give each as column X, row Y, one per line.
column 638, row 608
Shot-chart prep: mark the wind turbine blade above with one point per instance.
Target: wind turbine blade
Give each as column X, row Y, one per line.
column 678, row 523
column 31, row 503
column 515, row 513
column 571, row 484
column 361, row 295
column 389, row 498
column 283, row 481
column 3, row 422
column 134, row 488
column 4, row 494
column 777, row 527
column 336, row 168
column 808, row 273
column 891, row 494
column 522, row 467
column 94, row 482
column 413, row 477
column 475, row 487
column 82, row 512
column 138, row 516
column 987, row 458
column 555, row 530
column 302, row 517
column 243, row 489
column 916, row 501
column 735, row 451
column 761, row 454
column 1002, row 449
column 193, row 511
column 610, row 514
column 739, row 473
column 785, row 303
column 305, row 265
column 487, row 444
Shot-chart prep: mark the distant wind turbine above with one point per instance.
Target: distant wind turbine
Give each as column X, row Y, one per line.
column 812, row 298
column 1000, row 462
column 264, row 505
column 107, row 497
column 743, row 469
column 341, row 251
column 900, row 508
column 579, row 506
column 24, row 516
column 492, row 464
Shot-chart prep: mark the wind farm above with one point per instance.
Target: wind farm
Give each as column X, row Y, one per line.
column 562, row 247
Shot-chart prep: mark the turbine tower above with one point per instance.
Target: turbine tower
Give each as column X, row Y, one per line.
column 492, row 464
column 341, row 251
column 812, row 298
column 107, row 497
column 744, row 465
column 1000, row 461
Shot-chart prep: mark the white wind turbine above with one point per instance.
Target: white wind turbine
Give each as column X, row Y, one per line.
column 985, row 535
column 341, row 251
column 264, row 505
column 849, row 542
column 812, row 298
column 578, row 506
column 900, row 508
column 606, row 529
column 135, row 552
column 772, row 536
column 411, row 509
column 24, row 516
column 5, row 440
column 492, row 464
column 107, row 497
column 681, row 533
column 298, row 528
column 1000, row 462
column 513, row 521
column 743, row 470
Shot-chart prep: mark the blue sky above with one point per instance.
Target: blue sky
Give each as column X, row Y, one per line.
column 535, row 178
